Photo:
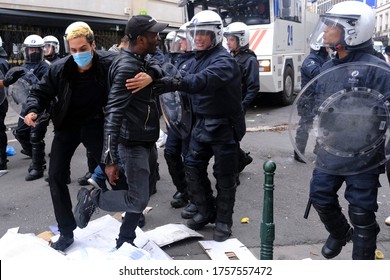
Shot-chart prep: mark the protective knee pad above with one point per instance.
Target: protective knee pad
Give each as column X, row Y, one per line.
column 365, row 233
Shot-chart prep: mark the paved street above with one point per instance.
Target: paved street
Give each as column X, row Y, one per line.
column 28, row 205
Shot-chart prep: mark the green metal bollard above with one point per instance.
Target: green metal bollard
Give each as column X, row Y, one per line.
column 267, row 227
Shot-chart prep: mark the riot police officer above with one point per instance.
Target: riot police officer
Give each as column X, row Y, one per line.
column 311, row 67
column 32, row 139
column 237, row 35
column 347, row 27
column 51, row 48
column 214, row 86
column 4, row 67
column 175, row 147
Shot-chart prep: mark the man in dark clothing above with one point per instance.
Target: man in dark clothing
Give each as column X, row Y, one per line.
column 74, row 83
column 237, row 35
column 131, row 129
column 4, row 67
column 213, row 83
column 32, row 138
column 311, row 67
column 350, row 89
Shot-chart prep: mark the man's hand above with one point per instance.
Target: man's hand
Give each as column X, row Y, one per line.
column 13, row 78
column 30, row 118
column 139, row 81
column 166, row 84
column 112, row 171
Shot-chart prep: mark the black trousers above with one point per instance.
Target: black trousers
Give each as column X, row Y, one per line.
column 64, row 144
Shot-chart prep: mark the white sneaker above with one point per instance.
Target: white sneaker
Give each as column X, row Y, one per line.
column 387, row 221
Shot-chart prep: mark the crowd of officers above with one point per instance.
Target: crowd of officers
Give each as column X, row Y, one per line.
column 219, row 84
column 126, row 82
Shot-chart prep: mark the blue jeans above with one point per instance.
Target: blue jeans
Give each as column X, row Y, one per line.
column 136, row 197
column 133, row 200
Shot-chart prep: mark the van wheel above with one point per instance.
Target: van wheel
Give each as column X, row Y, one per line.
column 287, row 95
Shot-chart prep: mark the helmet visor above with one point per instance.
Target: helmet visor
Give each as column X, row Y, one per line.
column 334, row 30
column 202, row 37
column 33, row 54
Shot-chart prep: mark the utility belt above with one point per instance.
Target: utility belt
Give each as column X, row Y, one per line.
column 219, row 128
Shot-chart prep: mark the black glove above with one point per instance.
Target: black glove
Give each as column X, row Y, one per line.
column 13, row 78
column 166, row 84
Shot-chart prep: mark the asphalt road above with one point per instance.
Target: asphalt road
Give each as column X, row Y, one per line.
column 27, row 205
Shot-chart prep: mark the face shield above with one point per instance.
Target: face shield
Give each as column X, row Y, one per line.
column 202, row 37
column 335, row 30
column 172, row 45
column 33, row 54
column 49, row 49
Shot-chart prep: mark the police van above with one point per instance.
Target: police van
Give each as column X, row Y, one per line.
column 279, row 31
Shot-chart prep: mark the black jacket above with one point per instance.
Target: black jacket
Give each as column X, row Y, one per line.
column 55, row 86
column 250, row 84
column 131, row 119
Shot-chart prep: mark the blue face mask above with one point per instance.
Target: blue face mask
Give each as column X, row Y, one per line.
column 83, row 58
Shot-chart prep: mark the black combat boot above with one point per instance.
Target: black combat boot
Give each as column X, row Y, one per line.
column 38, row 163
column 226, row 188
column 189, row 211
column 24, row 142
column 201, row 194
column 3, row 152
column 338, row 227
column 176, row 170
column 244, row 159
column 365, row 231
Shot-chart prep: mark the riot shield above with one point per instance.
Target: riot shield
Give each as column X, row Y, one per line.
column 2, row 91
column 17, row 92
column 339, row 121
column 176, row 107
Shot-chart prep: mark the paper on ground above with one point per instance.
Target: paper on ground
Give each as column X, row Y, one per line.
column 97, row 241
column 171, row 233
column 225, row 250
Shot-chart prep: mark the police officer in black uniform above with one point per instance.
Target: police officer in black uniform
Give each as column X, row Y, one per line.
column 4, row 67
column 237, row 35
column 347, row 27
column 32, row 138
column 214, row 86
column 311, row 67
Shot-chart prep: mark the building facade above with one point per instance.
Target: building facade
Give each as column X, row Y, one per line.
column 107, row 18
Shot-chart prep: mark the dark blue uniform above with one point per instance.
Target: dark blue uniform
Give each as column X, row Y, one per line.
column 361, row 186
column 214, row 86
column 175, row 147
column 311, row 67
column 32, row 138
column 4, row 67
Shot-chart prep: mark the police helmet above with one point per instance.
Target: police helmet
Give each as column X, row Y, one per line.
column 356, row 21
column 205, row 22
column 239, row 30
column 33, row 48
column 51, row 42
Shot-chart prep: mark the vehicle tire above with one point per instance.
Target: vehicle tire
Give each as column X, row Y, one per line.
column 287, row 95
